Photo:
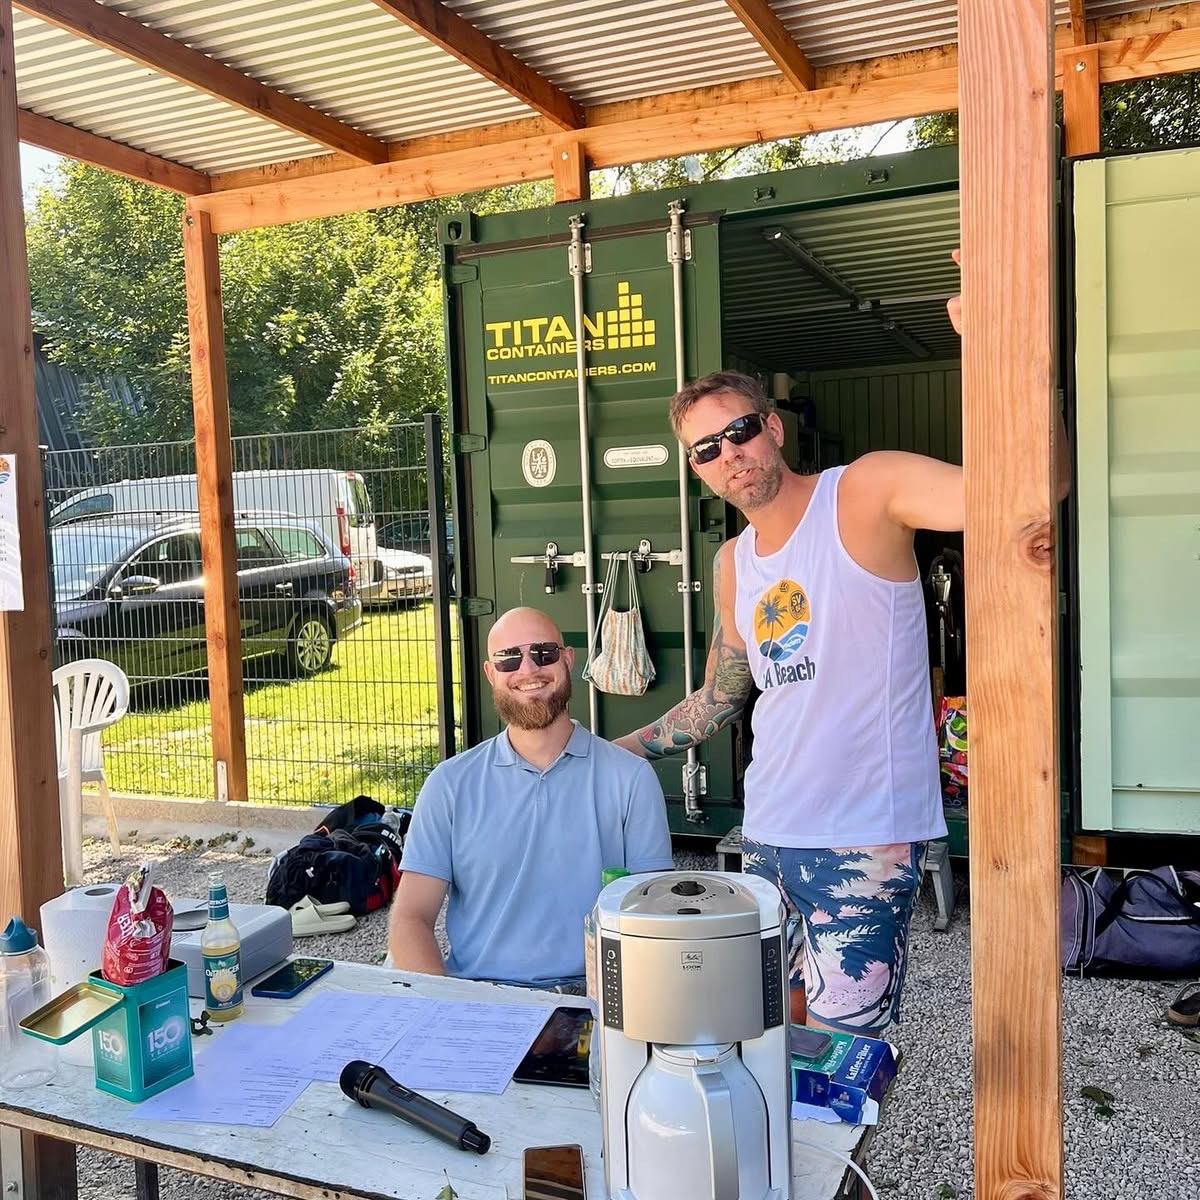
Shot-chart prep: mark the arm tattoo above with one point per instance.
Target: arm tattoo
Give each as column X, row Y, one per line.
column 719, row 700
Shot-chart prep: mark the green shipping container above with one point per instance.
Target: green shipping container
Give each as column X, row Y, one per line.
column 811, row 274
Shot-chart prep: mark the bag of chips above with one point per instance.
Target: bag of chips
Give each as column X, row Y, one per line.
column 138, row 943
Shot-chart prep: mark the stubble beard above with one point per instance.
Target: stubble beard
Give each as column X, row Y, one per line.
column 761, row 492
column 533, row 714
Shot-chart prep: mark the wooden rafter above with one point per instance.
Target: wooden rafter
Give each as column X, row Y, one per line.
column 721, row 117
column 1133, row 46
column 444, row 27
column 51, row 135
column 1079, row 25
column 772, row 35
column 106, row 27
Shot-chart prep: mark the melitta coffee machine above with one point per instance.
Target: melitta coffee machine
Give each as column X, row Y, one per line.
column 694, row 1037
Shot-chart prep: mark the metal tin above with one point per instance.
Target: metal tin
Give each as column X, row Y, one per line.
column 73, row 1012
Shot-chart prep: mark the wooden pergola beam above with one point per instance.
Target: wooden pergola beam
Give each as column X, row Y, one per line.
column 1006, row 115
column 773, row 36
column 30, row 835
column 446, row 29
column 214, row 488
column 723, row 117
column 37, row 130
column 1079, row 24
column 1081, row 102
column 1160, row 42
column 106, row 27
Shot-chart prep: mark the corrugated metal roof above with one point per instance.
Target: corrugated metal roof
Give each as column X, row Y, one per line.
column 894, row 252
column 832, row 31
column 357, row 63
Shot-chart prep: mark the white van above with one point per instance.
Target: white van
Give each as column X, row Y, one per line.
column 337, row 502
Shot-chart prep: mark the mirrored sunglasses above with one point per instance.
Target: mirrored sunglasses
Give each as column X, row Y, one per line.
column 739, row 432
column 541, row 654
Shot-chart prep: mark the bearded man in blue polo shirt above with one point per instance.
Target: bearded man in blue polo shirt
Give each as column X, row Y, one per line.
column 518, row 830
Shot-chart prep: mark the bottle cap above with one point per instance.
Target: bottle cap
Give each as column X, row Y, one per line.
column 17, row 937
column 611, row 873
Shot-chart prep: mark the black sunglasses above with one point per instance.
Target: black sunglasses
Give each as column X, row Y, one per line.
column 744, row 429
column 541, row 654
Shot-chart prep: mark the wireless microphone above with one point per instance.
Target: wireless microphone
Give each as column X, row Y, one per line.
column 373, row 1087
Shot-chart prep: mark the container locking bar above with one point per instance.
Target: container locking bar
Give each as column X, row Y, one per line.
column 552, row 560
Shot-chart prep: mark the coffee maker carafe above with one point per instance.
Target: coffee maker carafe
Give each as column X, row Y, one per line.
column 693, row 1028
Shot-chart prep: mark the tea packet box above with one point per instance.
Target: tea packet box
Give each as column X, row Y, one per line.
column 849, row 1078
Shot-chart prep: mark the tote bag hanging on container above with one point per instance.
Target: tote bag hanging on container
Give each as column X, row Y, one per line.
column 618, row 661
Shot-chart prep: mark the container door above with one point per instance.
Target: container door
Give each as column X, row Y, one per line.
column 520, row 476
column 1138, row 370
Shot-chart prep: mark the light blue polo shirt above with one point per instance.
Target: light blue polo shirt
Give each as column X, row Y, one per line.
column 523, row 850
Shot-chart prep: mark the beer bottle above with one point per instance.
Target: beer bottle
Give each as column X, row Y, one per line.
column 221, row 948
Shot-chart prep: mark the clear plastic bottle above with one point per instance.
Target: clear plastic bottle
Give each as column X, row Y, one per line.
column 221, row 948
column 24, row 987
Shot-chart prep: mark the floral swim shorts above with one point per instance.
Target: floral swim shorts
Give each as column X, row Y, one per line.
column 849, row 913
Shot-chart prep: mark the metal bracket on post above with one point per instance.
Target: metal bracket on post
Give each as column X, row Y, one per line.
column 695, row 785
column 222, row 780
column 693, row 586
column 579, row 254
column 679, row 237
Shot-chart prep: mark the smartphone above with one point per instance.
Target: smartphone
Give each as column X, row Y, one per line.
column 559, row 1054
column 808, row 1043
column 554, row 1173
column 291, row 978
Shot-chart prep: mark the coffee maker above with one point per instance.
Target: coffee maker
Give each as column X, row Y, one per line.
column 693, row 1037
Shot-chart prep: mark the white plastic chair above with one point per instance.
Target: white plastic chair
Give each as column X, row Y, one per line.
column 89, row 696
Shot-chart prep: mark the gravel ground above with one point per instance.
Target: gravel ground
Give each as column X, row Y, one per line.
column 1114, row 1038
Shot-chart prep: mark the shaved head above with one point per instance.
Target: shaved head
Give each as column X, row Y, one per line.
column 519, row 627
column 530, row 697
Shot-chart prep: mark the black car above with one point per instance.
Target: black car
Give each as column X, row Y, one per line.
column 131, row 590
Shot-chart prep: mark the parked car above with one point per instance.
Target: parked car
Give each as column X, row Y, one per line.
column 409, row 532
column 403, row 576
column 131, row 590
column 337, row 502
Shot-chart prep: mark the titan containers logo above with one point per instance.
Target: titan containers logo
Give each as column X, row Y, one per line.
column 622, row 328
column 522, row 351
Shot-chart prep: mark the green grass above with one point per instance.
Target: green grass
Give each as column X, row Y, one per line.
column 366, row 724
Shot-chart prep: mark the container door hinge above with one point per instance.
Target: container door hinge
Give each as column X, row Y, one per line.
column 476, row 606
column 468, row 443
column 462, row 273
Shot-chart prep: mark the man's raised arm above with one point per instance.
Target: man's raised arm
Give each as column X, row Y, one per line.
column 726, row 687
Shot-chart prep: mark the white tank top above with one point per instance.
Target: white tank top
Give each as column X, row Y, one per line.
column 844, row 748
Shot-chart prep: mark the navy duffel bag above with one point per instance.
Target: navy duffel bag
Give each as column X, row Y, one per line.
column 1145, row 924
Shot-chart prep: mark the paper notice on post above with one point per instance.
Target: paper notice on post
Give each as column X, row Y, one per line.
column 12, row 592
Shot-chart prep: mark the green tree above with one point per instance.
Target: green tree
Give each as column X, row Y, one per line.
column 327, row 322
column 1141, row 114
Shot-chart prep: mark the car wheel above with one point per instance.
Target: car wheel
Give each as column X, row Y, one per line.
column 311, row 646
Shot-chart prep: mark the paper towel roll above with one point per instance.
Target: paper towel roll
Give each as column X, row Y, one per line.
column 73, row 929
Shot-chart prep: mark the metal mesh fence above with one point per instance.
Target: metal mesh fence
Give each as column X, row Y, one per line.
column 334, row 583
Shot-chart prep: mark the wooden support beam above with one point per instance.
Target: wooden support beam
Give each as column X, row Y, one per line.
column 87, row 147
column 782, row 113
column 30, row 834
column 214, row 481
column 1089, row 851
column 1079, row 24
column 772, row 35
column 104, row 26
column 446, row 29
column 571, row 179
column 1081, row 101
column 1006, row 113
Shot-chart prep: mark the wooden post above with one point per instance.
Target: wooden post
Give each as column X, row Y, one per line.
column 571, row 181
column 214, row 481
column 1081, row 101
column 1006, row 104
column 30, row 834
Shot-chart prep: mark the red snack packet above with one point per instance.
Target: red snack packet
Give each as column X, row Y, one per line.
column 138, row 942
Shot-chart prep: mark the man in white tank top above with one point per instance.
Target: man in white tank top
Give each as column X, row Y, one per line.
column 819, row 605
